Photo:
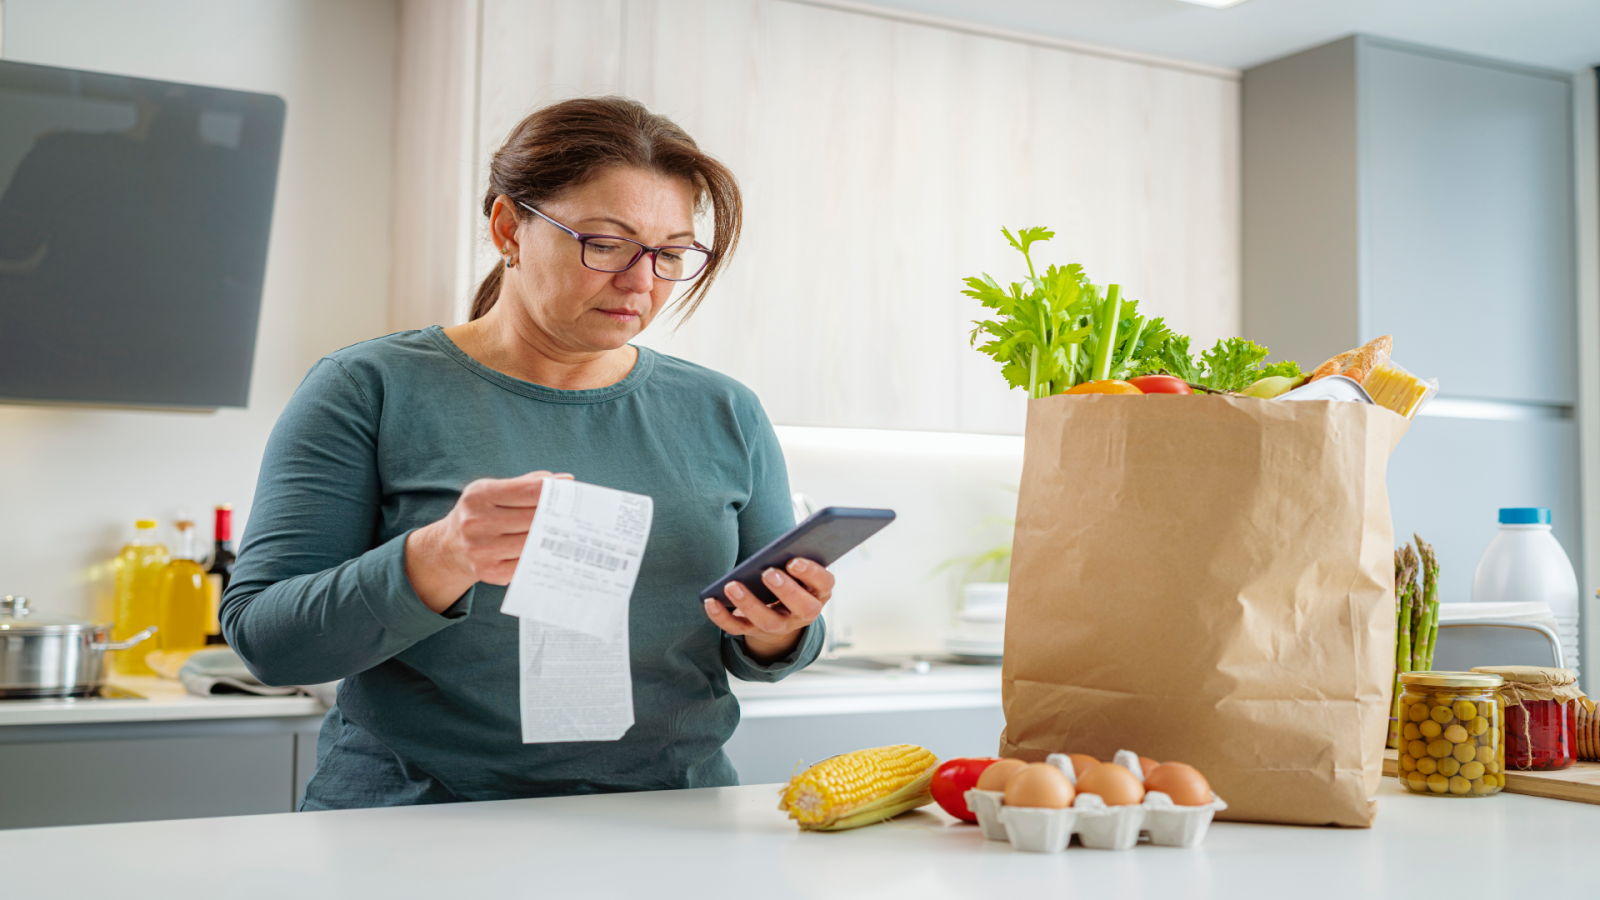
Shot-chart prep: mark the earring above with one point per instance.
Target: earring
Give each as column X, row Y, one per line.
column 509, row 263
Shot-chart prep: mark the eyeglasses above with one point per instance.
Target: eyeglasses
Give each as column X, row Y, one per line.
column 608, row 253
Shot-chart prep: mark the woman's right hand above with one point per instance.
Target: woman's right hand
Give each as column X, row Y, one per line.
column 480, row 540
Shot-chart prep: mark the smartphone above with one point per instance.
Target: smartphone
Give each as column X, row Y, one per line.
column 822, row 538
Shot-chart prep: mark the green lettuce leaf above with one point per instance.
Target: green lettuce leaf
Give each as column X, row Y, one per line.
column 1235, row 363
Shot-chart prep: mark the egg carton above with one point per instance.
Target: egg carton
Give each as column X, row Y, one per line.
column 1097, row 825
column 986, row 805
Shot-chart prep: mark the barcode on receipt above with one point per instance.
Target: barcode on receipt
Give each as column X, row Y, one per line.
column 586, row 555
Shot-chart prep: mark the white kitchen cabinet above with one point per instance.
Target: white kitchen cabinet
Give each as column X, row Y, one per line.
column 879, row 159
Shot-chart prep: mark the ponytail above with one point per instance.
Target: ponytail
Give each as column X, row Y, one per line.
column 488, row 292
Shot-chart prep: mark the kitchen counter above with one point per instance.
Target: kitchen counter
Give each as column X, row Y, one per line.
column 823, row 689
column 173, row 755
column 734, row 842
column 162, row 700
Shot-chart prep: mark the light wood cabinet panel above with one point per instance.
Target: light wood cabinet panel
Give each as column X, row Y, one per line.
column 538, row 52
column 434, row 162
column 879, row 159
column 534, row 53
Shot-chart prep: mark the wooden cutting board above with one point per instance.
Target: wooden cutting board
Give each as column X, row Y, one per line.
column 1579, row 781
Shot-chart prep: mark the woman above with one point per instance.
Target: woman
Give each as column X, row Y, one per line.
column 399, row 484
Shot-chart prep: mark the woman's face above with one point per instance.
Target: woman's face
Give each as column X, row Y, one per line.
column 577, row 308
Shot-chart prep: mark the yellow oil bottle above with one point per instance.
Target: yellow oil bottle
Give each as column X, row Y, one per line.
column 139, row 566
column 185, row 608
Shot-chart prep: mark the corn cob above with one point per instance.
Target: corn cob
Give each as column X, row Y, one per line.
column 860, row 788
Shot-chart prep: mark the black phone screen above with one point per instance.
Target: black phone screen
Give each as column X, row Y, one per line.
column 822, row 538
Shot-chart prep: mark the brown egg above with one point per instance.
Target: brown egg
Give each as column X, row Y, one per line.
column 995, row 777
column 1039, row 785
column 1147, row 764
column 1114, row 784
column 1183, row 783
column 1081, row 763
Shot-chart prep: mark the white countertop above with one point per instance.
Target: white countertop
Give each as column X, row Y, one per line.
column 733, row 842
column 163, row 700
column 819, row 690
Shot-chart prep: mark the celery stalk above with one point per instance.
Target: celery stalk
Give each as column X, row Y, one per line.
column 1111, row 312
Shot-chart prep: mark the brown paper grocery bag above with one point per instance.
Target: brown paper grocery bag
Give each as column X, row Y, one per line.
column 1208, row 580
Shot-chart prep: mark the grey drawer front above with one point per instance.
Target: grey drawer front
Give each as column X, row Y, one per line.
column 127, row 780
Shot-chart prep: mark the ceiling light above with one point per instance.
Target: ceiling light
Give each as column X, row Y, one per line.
column 1214, row 4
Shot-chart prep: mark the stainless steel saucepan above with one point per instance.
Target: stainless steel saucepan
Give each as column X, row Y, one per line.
column 46, row 655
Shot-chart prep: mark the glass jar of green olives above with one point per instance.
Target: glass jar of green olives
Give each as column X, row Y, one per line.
column 1452, row 733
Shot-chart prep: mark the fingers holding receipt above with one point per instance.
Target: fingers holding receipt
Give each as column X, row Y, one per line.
column 570, row 592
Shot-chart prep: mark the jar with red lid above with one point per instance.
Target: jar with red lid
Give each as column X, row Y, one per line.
column 1541, row 716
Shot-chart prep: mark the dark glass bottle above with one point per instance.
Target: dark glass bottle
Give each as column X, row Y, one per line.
column 221, row 571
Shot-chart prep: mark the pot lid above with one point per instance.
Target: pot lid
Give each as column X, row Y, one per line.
column 18, row 615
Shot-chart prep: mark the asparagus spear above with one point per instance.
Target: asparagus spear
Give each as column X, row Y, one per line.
column 1414, row 596
column 1404, row 570
column 1430, row 595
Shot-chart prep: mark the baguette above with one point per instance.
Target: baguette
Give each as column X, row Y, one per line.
column 1356, row 364
column 1334, row 366
column 1367, row 357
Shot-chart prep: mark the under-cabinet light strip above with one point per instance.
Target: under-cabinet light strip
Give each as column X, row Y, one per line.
column 1494, row 410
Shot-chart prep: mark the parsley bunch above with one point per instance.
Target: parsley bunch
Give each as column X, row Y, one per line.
column 1057, row 330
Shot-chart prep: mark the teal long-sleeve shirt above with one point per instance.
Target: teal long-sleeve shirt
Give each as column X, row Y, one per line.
column 379, row 440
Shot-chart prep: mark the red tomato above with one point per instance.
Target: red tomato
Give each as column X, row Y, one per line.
column 1161, row 384
column 1109, row 386
column 953, row 779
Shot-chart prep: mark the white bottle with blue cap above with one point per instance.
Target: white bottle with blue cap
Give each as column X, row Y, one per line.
column 1525, row 564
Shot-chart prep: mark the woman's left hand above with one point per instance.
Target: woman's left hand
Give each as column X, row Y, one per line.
column 770, row 632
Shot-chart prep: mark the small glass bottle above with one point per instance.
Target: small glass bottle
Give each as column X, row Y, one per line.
column 138, row 598
column 1452, row 734
column 220, row 573
column 185, row 596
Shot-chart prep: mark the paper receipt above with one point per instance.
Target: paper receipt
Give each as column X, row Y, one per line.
column 571, row 590
column 574, row 686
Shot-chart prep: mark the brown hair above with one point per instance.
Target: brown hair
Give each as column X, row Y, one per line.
column 565, row 144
